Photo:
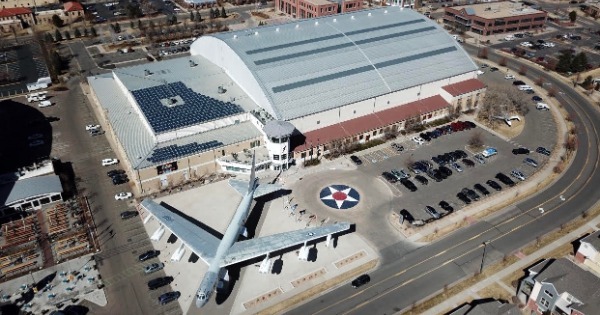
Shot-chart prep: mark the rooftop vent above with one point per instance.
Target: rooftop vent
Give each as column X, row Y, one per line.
column 277, row 29
column 234, row 36
column 316, row 23
column 369, row 14
column 192, row 64
column 334, row 20
column 147, row 72
column 255, row 33
column 173, row 101
column 297, row 25
column 221, row 90
column 352, row 17
column 385, row 11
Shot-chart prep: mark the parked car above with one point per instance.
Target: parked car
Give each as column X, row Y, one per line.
column 397, row 147
column 123, row 196
column 518, row 82
column 418, row 140
column 149, row 255
column 468, row 162
column 432, row 212
column 505, row 179
column 479, row 158
column 389, row 177
column 108, row 162
column 435, row 175
column 456, row 166
column 159, row 282
column 153, row 267
column 128, row 214
column 118, row 180
column 361, row 280
column 544, row 151
column 509, row 77
column 112, row 173
column 356, row 160
column 446, row 206
column 536, row 98
column 481, row 189
column 494, row 185
column 94, row 133
column 168, row 297
column 470, row 193
column 408, row 184
column 92, row 127
column 400, row 174
column 446, row 172
column 421, row 179
column 494, row 69
column 462, row 197
column 407, row 216
column 520, row 151
column 518, row 175
column 531, row 162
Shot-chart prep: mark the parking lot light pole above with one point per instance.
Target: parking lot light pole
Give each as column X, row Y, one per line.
column 483, row 256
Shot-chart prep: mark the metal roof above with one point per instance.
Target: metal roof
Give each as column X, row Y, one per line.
column 138, row 141
column 278, row 128
column 313, row 65
column 30, row 187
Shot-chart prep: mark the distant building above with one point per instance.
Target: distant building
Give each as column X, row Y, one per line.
column 492, row 18
column 7, row 4
column 30, row 188
column 560, row 287
column 306, row 9
column 72, row 12
column 588, row 252
column 15, row 18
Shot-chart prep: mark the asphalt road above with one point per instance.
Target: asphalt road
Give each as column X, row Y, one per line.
column 417, row 275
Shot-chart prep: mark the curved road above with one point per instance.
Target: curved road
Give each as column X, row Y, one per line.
column 398, row 285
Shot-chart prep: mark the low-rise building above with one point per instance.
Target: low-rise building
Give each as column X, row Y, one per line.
column 492, row 18
column 486, row 307
column 72, row 12
column 305, row 9
column 559, row 286
column 15, row 19
column 588, row 252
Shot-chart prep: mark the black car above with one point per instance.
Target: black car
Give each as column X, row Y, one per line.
column 462, row 154
column 446, row 206
column 407, row 216
column 435, row 175
column 94, row 133
column 494, row 69
column 118, row 180
column 112, row 173
column 470, row 193
column 168, row 297
column 149, row 255
column 494, row 185
column 425, row 136
column 159, row 282
column 520, row 151
column 544, row 151
column 408, row 184
column 389, row 177
column 361, row 280
column 463, row 198
column 356, row 160
column 536, row 98
column 468, row 162
column 481, row 189
column 128, row 214
column 518, row 82
column 445, row 171
column 421, row 179
column 505, row 179
column 52, row 119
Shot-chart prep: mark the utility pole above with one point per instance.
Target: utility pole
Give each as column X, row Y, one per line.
column 483, row 256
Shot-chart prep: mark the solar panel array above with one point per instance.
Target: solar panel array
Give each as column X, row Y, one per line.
column 172, row 152
column 197, row 108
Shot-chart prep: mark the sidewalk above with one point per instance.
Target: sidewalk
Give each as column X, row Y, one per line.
column 525, row 262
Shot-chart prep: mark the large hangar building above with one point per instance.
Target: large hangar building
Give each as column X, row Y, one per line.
column 285, row 91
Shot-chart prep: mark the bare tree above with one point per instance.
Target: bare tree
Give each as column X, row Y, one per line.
column 539, row 81
column 499, row 102
column 503, row 61
column 523, row 70
column 476, row 139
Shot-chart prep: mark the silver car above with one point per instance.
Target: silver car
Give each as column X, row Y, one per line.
column 479, row 158
column 154, row 267
column 518, row 175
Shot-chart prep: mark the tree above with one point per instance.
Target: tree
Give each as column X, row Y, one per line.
column 117, row 27
column 483, row 53
column 56, row 63
column 140, row 25
column 133, row 11
column 223, row 13
column 56, row 21
column 57, row 35
column 48, row 37
column 93, row 31
column 198, row 16
column 503, row 61
column 67, row 35
column 573, row 16
column 539, row 81
column 131, row 24
column 77, row 32
column 192, row 17
column 476, row 139
column 522, row 70
column 579, row 62
column 564, row 61
column 587, row 83
column 85, row 32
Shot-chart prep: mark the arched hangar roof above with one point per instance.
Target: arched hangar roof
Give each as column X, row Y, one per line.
column 313, row 65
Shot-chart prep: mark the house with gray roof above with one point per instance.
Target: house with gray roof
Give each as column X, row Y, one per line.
column 560, row 286
column 588, row 252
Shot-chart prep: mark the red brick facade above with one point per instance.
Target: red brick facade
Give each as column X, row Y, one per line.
column 462, row 21
column 305, row 9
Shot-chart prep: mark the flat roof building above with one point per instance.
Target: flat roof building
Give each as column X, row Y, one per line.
column 491, row 18
column 360, row 73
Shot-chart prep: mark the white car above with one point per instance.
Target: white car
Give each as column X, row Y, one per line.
column 123, row 196
column 548, row 44
column 108, row 162
column 43, row 104
column 542, row 106
column 418, row 140
column 479, row 72
column 525, row 88
column 526, row 44
column 92, row 127
column 509, row 77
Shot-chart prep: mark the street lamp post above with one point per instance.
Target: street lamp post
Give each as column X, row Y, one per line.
column 483, row 256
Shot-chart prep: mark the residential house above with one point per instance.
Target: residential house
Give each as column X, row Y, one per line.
column 588, row 252
column 73, row 12
column 559, row 286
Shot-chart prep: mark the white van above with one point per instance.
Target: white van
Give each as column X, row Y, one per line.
column 36, row 97
column 43, row 104
column 509, row 37
column 542, row 106
column 525, row 88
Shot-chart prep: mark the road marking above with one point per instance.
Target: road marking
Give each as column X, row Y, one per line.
column 541, row 210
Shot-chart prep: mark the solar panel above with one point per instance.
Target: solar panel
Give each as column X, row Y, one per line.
column 195, row 108
column 172, row 152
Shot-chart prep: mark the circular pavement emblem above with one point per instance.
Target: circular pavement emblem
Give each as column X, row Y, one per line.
column 339, row 196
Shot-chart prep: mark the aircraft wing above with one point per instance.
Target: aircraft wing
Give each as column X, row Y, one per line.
column 263, row 189
column 245, row 250
column 194, row 237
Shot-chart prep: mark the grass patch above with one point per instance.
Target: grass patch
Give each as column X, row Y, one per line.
column 496, row 291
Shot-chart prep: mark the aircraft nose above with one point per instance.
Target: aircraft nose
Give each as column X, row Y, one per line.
column 200, row 303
